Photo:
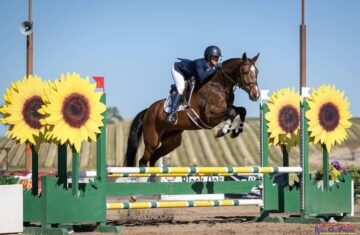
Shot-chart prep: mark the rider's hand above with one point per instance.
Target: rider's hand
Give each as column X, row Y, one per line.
column 218, row 65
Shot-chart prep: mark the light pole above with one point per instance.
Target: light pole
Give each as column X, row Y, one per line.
column 26, row 29
column 302, row 47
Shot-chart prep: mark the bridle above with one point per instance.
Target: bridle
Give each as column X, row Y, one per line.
column 242, row 83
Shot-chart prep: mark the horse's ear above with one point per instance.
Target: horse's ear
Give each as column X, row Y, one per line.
column 255, row 58
column 244, row 57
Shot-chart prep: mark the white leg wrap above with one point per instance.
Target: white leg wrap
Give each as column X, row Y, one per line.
column 158, row 146
column 179, row 80
column 226, row 127
column 239, row 127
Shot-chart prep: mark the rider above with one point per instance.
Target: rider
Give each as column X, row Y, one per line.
column 186, row 69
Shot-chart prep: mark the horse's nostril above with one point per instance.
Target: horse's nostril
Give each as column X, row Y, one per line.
column 255, row 96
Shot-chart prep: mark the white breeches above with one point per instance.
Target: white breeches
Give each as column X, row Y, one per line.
column 179, row 81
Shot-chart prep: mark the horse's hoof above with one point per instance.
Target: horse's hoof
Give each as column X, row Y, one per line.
column 219, row 133
column 132, row 198
column 152, row 179
column 236, row 133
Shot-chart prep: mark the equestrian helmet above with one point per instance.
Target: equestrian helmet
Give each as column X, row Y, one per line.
column 212, row 51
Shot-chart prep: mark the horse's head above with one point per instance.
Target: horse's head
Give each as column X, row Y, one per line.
column 243, row 73
column 247, row 77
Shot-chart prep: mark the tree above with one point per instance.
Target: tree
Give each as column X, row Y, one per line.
column 112, row 114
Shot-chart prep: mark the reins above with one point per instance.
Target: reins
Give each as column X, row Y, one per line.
column 241, row 84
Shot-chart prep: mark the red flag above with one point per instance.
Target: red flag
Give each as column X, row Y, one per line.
column 99, row 82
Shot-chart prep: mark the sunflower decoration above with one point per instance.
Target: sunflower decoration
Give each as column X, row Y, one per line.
column 283, row 118
column 20, row 110
column 3, row 108
column 7, row 99
column 328, row 116
column 72, row 110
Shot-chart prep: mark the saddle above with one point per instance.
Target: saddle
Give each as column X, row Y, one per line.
column 186, row 104
column 186, row 98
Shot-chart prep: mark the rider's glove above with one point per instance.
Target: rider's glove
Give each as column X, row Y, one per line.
column 218, row 66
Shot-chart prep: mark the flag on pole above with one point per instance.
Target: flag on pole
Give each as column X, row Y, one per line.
column 264, row 95
column 305, row 92
column 99, row 82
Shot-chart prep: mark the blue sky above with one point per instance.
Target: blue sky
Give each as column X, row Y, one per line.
column 135, row 43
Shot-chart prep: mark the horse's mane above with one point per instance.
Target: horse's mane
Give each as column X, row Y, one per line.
column 230, row 60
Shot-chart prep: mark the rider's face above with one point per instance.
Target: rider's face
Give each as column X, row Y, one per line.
column 214, row 60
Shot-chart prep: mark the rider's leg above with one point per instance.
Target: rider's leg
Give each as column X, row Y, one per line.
column 180, row 86
column 179, row 80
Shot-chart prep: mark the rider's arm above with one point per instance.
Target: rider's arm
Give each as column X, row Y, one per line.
column 203, row 70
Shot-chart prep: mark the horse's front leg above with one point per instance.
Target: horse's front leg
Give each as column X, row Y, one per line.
column 228, row 123
column 241, row 111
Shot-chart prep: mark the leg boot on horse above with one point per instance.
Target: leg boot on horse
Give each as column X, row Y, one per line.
column 228, row 123
column 241, row 111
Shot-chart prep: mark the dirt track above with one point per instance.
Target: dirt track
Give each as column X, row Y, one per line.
column 221, row 220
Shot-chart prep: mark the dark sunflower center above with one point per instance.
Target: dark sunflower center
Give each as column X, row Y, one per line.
column 76, row 110
column 289, row 118
column 329, row 116
column 30, row 112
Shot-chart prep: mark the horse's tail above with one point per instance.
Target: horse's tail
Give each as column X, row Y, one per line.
column 135, row 133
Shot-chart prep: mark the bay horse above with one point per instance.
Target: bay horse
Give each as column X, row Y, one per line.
column 211, row 102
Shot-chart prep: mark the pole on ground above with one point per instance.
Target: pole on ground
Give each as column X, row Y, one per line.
column 62, row 164
column 325, row 168
column 101, row 173
column 35, row 171
column 75, row 172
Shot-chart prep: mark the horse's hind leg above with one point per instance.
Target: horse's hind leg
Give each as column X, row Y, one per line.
column 169, row 142
column 241, row 111
column 155, row 149
column 151, row 142
column 148, row 154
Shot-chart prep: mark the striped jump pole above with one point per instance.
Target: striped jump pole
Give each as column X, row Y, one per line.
column 202, row 170
column 115, row 172
column 92, row 174
column 181, row 204
column 117, row 175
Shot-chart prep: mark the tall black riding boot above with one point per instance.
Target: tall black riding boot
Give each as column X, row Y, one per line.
column 171, row 118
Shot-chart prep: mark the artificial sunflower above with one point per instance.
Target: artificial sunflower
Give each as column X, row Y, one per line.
column 283, row 117
column 328, row 116
column 3, row 108
column 20, row 110
column 73, row 110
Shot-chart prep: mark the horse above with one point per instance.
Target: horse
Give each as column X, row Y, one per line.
column 211, row 104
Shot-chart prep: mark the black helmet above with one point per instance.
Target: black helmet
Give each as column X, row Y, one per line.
column 212, row 51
